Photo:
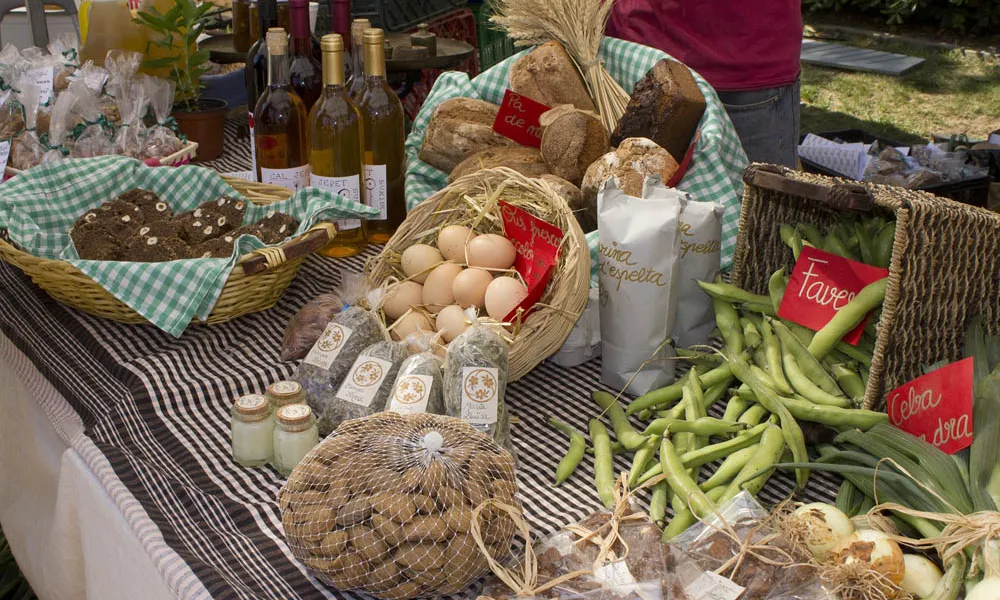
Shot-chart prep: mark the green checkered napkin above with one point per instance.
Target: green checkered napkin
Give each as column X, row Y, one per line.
column 39, row 207
column 716, row 168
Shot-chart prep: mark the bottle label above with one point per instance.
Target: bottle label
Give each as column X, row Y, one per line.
column 328, row 346
column 294, row 179
column 253, row 152
column 43, row 78
column 4, row 155
column 349, row 187
column 480, row 392
column 411, row 394
column 376, row 190
column 364, row 380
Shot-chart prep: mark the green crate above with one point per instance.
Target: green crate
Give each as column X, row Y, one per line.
column 494, row 45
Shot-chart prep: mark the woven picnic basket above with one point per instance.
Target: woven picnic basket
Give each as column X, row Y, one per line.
column 945, row 266
column 543, row 332
column 256, row 282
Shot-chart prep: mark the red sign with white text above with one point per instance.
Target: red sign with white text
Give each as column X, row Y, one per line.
column 823, row 283
column 537, row 245
column 518, row 119
column 936, row 407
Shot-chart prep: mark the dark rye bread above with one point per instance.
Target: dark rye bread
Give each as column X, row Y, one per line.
column 459, row 128
column 666, row 107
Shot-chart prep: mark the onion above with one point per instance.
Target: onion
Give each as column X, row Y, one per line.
column 987, row 589
column 921, row 576
column 826, row 526
column 875, row 549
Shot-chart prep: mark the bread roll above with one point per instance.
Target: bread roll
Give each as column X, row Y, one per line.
column 574, row 198
column 572, row 139
column 547, row 75
column 634, row 159
column 524, row 160
column 459, row 128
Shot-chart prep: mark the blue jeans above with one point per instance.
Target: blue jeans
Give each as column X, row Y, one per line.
column 767, row 122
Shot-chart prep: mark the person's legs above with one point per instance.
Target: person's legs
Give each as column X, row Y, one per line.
column 767, row 122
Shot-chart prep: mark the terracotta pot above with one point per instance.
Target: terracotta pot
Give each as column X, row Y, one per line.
column 204, row 126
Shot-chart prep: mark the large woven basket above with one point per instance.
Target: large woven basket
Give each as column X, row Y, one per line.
column 945, row 266
column 256, row 282
column 543, row 332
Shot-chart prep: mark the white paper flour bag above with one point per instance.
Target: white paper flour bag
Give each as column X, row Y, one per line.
column 700, row 240
column 638, row 261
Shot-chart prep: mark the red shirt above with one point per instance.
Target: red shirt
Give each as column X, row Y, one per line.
column 734, row 44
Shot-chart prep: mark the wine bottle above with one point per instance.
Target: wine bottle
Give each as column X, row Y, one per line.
column 282, row 142
column 335, row 145
column 340, row 21
column 382, row 122
column 256, row 69
column 304, row 71
column 356, row 82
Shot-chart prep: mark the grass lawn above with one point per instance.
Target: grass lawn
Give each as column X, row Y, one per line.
column 949, row 93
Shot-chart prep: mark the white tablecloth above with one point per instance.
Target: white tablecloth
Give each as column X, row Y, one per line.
column 70, row 532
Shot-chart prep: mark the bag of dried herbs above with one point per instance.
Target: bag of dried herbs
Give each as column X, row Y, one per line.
column 419, row 385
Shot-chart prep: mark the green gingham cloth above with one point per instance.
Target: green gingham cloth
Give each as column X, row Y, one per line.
column 716, row 169
column 39, row 206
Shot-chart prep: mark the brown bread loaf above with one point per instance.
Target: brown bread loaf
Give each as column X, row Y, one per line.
column 666, row 107
column 571, row 141
column 573, row 197
column 524, row 160
column 459, row 128
column 547, row 75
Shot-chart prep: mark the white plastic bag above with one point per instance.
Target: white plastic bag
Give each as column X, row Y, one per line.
column 638, row 264
column 584, row 341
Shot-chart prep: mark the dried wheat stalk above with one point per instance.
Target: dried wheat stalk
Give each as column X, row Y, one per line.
column 577, row 24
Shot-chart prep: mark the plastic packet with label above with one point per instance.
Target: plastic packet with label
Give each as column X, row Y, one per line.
column 26, row 148
column 419, row 385
column 331, row 358
column 130, row 139
column 93, row 134
column 475, row 378
column 637, row 566
column 65, row 50
column 308, row 324
column 160, row 139
column 772, row 567
column 11, row 124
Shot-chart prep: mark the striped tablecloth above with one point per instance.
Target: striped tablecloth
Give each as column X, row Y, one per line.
column 157, row 411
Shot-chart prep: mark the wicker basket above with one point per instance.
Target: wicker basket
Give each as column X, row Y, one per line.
column 257, row 280
column 182, row 156
column 945, row 266
column 543, row 332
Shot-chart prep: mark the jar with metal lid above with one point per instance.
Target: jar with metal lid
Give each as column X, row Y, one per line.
column 283, row 393
column 253, row 431
column 295, row 434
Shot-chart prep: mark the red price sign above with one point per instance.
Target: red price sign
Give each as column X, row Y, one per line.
column 518, row 119
column 937, row 407
column 537, row 245
column 821, row 284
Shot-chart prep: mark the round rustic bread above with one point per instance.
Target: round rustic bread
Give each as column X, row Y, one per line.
column 571, row 141
column 630, row 164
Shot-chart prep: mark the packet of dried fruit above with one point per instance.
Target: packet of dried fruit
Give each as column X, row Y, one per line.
column 741, row 554
column 609, row 555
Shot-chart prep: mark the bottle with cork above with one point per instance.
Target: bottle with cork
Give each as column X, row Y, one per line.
column 383, row 126
column 280, row 118
column 356, row 80
column 335, row 146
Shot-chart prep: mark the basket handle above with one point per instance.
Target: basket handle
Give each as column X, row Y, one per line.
column 839, row 196
column 265, row 259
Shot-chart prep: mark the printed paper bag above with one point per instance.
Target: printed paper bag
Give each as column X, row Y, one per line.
column 638, row 260
column 700, row 241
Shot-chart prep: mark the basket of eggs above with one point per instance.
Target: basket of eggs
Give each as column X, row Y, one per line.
column 452, row 255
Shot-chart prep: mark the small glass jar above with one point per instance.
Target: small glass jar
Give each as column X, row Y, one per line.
column 253, row 431
column 284, row 393
column 295, row 434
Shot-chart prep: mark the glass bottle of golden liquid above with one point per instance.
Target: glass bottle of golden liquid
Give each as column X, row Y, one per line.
column 335, row 145
column 356, row 80
column 281, row 134
column 382, row 122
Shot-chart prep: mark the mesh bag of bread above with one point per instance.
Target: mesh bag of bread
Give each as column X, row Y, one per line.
column 384, row 505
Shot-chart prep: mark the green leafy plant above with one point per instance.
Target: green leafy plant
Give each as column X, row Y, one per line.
column 177, row 32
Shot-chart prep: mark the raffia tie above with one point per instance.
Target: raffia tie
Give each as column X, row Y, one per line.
column 526, row 583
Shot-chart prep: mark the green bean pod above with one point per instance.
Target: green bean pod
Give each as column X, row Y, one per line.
column 767, row 454
column 848, row 317
column 728, row 322
column 604, row 470
column 812, row 368
column 714, row 393
column 703, row 426
column 882, row 251
column 764, row 377
column 729, row 469
column 865, row 244
column 710, row 453
column 832, row 416
column 833, row 245
column 619, row 422
column 811, row 234
column 751, row 335
column 792, row 238
column 772, row 354
column 616, row 448
column 658, row 503
column 776, row 288
column 850, row 381
column 730, row 293
column 734, row 408
column 685, row 518
column 761, row 308
column 643, row 456
column 810, row 391
column 681, row 483
column 674, row 391
column 577, row 446
column 753, row 415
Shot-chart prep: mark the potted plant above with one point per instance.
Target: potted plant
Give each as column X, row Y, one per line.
column 173, row 43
